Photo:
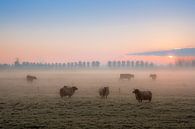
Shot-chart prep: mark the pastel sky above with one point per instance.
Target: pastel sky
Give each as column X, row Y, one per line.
column 69, row 30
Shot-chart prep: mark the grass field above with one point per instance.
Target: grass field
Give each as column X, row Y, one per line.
column 38, row 104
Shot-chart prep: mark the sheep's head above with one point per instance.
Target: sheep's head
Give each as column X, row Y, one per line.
column 135, row 91
column 74, row 88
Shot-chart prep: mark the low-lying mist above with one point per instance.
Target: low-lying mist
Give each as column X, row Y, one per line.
column 173, row 83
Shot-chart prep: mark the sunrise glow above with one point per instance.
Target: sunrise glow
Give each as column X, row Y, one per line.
column 170, row 57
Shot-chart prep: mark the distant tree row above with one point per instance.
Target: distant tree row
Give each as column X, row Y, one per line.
column 69, row 65
column 185, row 63
column 93, row 64
column 79, row 64
column 131, row 64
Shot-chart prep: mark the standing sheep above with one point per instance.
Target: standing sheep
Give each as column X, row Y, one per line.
column 67, row 91
column 142, row 95
column 126, row 76
column 104, row 92
column 153, row 76
column 30, row 78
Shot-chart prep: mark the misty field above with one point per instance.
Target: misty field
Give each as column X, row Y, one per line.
column 38, row 104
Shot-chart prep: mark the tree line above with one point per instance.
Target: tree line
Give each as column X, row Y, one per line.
column 93, row 64
column 68, row 65
column 185, row 62
column 130, row 64
column 79, row 65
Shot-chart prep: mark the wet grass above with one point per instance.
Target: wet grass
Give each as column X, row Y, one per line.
column 95, row 113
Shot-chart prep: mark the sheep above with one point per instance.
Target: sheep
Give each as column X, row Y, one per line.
column 153, row 76
column 67, row 91
column 142, row 95
column 126, row 76
column 104, row 92
column 30, row 78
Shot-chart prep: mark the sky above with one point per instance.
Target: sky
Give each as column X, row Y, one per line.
column 73, row 30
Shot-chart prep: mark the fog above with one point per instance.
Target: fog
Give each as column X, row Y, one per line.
column 168, row 83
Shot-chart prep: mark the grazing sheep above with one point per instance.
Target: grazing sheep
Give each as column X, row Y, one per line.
column 153, row 76
column 142, row 95
column 126, row 76
column 104, row 92
column 30, row 78
column 67, row 91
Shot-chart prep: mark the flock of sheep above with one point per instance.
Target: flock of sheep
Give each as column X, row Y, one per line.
column 68, row 91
